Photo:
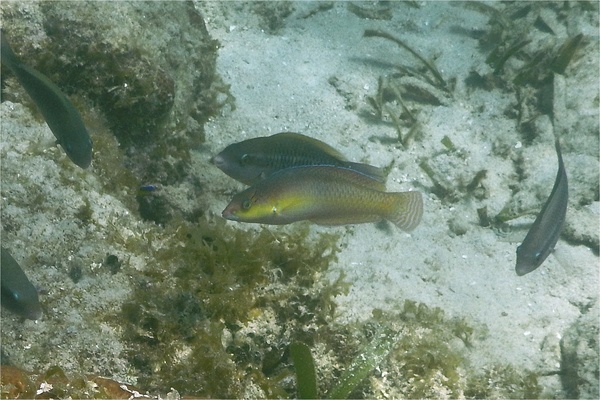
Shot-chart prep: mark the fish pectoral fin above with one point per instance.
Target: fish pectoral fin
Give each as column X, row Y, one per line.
column 407, row 210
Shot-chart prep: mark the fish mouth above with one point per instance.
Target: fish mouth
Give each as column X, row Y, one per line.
column 228, row 214
column 33, row 312
column 217, row 160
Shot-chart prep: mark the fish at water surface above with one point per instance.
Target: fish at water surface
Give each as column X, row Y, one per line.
column 251, row 160
column 18, row 294
column 545, row 231
column 58, row 111
column 325, row 195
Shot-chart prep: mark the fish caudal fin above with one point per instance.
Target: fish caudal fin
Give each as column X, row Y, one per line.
column 407, row 210
column 6, row 52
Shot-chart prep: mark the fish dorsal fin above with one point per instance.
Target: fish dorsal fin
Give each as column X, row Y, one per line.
column 314, row 142
column 347, row 174
column 363, row 179
column 370, row 170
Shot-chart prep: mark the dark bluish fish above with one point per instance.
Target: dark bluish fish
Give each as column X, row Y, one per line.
column 147, row 190
column 17, row 293
column 58, row 111
column 545, row 231
column 255, row 159
column 325, row 195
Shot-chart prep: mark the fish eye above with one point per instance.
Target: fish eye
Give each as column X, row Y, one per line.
column 246, row 204
column 244, row 159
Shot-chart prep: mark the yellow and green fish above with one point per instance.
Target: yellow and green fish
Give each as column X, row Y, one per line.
column 325, row 195
column 251, row 160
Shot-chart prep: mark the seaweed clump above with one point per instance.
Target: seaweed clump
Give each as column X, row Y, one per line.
column 428, row 359
column 273, row 15
column 528, row 44
column 424, row 84
column 187, row 321
column 502, row 381
column 215, row 314
column 416, row 352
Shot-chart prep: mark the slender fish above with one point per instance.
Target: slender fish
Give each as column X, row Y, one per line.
column 58, row 111
column 545, row 231
column 325, row 195
column 255, row 159
column 17, row 293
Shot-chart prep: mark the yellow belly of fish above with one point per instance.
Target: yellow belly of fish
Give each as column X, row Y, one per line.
column 333, row 208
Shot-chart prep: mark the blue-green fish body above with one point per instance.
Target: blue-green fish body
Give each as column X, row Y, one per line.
column 255, row 159
column 545, row 231
column 58, row 111
column 17, row 292
column 325, row 195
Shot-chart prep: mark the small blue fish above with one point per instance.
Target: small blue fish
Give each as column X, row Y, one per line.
column 146, row 190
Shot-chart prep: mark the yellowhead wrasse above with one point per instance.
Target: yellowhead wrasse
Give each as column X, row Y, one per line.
column 546, row 229
column 58, row 111
column 17, row 292
column 325, row 195
column 255, row 159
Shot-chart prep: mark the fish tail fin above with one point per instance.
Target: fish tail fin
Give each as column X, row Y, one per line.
column 371, row 171
column 7, row 54
column 406, row 211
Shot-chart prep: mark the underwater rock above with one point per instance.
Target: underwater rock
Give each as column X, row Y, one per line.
column 54, row 383
column 580, row 354
column 155, row 87
column 61, row 116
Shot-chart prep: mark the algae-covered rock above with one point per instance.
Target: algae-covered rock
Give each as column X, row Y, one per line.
column 580, row 356
column 156, row 87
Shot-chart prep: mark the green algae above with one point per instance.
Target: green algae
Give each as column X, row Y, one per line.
column 175, row 335
column 84, row 213
column 418, row 357
column 304, row 364
column 272, row 15
column 379, row 13
column 438, row 79
column 519, row 32
column 209, row 282
column 502, row 381
column 361, row 366
column 565, row 54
